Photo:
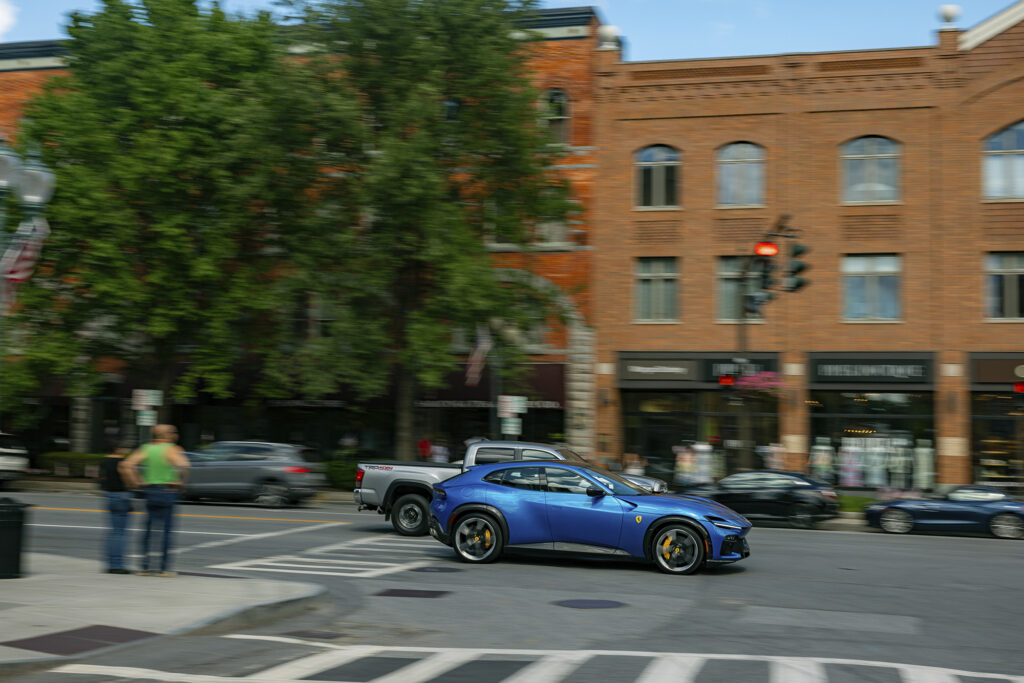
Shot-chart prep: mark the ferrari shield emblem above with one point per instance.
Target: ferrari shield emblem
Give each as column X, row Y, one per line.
column 639, row 519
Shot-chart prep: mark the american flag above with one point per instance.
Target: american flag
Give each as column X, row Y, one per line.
column 19, row 261
column 475, row 366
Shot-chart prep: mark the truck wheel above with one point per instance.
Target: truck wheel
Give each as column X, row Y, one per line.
column 409, row 515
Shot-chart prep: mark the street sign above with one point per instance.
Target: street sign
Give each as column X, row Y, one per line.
column 145, row 418
column 511, row 425
column 510, row 406
column 146, row 398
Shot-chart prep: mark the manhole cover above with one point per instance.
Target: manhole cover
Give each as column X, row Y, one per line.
column 589, row 604
column 436, row 569
column 406, row 593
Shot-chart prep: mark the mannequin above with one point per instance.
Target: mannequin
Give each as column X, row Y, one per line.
column 850, row 474
column 924, row 457
column 822, row 460
column 875, row 463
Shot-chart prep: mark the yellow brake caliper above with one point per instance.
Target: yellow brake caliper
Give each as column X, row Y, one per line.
column 664, row 547
column 487, row 538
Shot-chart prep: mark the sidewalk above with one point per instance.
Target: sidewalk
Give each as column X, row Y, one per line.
column 65, row 607
column 48, row 485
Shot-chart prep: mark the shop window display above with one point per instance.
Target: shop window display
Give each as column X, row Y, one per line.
column 997, row 428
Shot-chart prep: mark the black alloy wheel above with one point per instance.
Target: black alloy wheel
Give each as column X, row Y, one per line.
column 801, row 516
column 409, row 515
column 678, row 549
column 477, row 538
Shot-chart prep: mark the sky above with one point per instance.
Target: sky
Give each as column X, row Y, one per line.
column 661, row 29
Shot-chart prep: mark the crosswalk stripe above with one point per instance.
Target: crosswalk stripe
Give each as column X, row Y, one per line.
column 674, row 668
column 926, row 675
column 314, row 664
column 797, row 671
column 549, row 669
column 131, row 672
column 427, row 669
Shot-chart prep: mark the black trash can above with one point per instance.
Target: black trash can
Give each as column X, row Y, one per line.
column 12, row 536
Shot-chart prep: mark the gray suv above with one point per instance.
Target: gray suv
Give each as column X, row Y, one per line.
column 269, row 474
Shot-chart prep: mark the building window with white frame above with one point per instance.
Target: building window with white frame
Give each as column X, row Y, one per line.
column 556, row 113
column 871, row 170
column 871, row 286
column 1005, row 282
column 730, row 272
column 741, row 175
column 655, row 290
column 657, row 175
column 1003, row 164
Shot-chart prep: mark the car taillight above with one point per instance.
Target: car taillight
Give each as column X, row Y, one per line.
column 440, row 492
column 292, row 469
column 829, row 493
column 359, row 476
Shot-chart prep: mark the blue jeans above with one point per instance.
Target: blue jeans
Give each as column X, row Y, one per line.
column 160, row 502
column 119, row 503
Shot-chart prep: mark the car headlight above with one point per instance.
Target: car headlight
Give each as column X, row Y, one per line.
column 722, row 524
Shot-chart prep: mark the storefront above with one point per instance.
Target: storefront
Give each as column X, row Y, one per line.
column 457, row 411
column 997, row 419
column 673, row 398
column 872, row 419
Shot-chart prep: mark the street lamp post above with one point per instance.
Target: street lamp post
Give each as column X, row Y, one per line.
column 34, row 183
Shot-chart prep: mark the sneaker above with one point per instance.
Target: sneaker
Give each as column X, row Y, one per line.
column 166, row 575
column 144, row 572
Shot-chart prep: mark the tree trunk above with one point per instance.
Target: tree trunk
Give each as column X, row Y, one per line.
column 404, row 399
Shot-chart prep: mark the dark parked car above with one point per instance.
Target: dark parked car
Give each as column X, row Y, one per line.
column 964, row 508
column 13, row 459
column 270, row 474
column 793, row 497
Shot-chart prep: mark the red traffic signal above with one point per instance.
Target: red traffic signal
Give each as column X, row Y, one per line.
column 766, row 249
column 729, row 380
column 1018, row 387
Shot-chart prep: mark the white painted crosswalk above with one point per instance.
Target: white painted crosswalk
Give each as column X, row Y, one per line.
column 348, row 663
column 360, row 558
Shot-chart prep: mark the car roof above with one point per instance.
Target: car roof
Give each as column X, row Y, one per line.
column 258, row 443
column 512, row 444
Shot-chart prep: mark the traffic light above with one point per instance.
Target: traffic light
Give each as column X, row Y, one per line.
column 795, row 266
column 753, row 301
column 768, row 281
column 726, row 380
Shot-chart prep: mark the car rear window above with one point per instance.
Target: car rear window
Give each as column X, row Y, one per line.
column 8, row 441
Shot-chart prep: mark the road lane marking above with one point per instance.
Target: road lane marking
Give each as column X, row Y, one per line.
column 130, row 672
column 314, row 664
column 189, row 514
column 548, row 669
column 423, row 670
column 798, row 671
column 138, row 529
column 680, row 668
column 252, row 537
column 320, row 567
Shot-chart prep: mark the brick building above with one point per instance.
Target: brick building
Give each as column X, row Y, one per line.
column 903, row 170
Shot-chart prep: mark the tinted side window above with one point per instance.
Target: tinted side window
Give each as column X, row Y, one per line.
column 491, row 454
column 496, row 477
column 975, row 495
column 778, row 481
column 527, row 478
column 534, row 454
column 252, row 452
column 565, row 481
column 744, row 480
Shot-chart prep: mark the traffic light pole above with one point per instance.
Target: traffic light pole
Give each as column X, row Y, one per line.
column 745, row 419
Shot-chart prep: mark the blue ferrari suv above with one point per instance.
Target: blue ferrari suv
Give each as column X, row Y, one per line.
column 575, row 507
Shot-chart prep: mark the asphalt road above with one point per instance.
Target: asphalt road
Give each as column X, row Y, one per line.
column 806, row 606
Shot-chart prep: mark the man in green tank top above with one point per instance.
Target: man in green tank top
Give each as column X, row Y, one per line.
column 159, row 468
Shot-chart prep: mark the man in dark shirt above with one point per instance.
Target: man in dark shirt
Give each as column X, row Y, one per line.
column 119, row 503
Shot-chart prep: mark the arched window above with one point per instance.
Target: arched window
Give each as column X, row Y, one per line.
column 741, row 175
column 871, row 170
column 556, row 113
column 1004, row 163
column 657, row 170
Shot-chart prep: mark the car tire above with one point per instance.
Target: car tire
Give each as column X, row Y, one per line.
column 477, row 538
column 271, row 494
column 678, row 549
column 896, row 521
column 801, row 516
column 1006, row 525
column 409, row 515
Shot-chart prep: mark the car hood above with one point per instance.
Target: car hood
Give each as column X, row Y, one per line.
column 667, row 503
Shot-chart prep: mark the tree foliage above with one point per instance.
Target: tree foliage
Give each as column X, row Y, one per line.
column 184, row 146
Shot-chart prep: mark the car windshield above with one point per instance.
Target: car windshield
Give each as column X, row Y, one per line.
column 620, row 486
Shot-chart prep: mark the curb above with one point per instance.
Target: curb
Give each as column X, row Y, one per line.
column 232, row 619
column 44, row 486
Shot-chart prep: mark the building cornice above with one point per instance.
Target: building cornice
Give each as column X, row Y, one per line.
column 992, row 27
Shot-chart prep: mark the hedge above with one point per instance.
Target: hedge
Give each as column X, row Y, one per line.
column 74, row 462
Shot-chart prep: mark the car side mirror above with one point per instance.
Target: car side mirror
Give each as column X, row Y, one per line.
column 594, row 492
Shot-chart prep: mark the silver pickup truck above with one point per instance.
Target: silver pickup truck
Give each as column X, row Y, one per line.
column 401, row 490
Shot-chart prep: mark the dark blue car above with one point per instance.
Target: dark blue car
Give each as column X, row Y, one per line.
column 579, row 508
column 964, row 508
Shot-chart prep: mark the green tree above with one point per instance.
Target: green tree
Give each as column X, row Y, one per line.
column 189, row 153
column 454, row 158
